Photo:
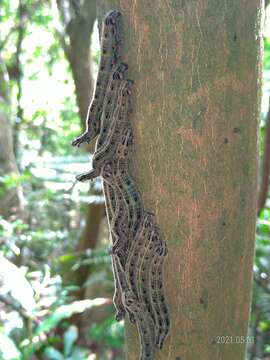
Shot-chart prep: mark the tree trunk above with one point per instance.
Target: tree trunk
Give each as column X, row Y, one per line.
column 78, row 20
column 196, row 66
column 11, row 199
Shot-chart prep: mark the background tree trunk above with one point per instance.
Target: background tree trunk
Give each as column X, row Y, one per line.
column 195, row 65
column 11, row 200
column 78, row 21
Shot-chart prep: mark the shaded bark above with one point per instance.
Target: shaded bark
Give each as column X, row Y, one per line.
column 196, row 104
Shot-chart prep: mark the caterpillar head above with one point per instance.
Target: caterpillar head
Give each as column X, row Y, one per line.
column 147, row 221
column 129, row 298
column 125, row 88
column 119, row 72
column 122, row 147
column 107, row 171
column 111, row 17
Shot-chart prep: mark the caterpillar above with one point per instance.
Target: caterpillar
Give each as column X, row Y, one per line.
column 110, row 203
column 110, row 101
column 130, row 192
column 158, row 293
column 109, row 57
column 143, row 279
column 117, row 296
column 132, row 205
column 145, row 326
column 117, row 126
column 120, row 273
column 110, row 209
column 120, row 218
column 137, row 249
column 143, row 321
column 122, row 148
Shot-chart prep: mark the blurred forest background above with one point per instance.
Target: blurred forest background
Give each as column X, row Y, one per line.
column 56, row 282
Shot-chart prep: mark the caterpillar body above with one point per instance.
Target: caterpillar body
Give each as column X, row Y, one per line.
column 117, row 128
column 140, row 315
column 108, row 58
column 143, row 279
column 158, row 293
column 136, row 251
column 117, row 74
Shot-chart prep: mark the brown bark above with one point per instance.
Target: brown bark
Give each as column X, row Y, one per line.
column 263, row 190
column 196, row 101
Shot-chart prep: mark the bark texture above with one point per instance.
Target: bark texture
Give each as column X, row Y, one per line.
column 196, row 66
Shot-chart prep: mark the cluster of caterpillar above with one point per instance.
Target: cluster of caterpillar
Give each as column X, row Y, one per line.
column 138, row 248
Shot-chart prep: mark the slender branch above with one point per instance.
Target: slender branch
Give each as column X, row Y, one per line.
column 7, row 301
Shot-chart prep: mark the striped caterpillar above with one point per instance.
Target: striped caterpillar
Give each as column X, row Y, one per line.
column 130, row 192
column 132, row 204
column 117, row 296
column 143, row 280
column 117, row 74
column 143, row 321
column 137, row 248
column 108, row 58
column 116, row 128
column 120, row 218
column 158, row 293
column 110, row 209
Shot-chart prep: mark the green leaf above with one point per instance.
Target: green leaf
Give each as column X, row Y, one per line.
column 66, row 311
column 70, row 336
column 51, row 353
column 79, row 354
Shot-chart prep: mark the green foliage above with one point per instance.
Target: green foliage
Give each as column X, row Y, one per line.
column 64, row 312
column 110, row 333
